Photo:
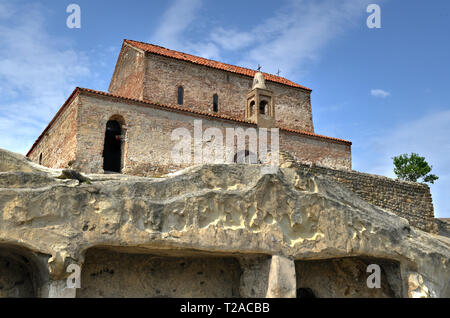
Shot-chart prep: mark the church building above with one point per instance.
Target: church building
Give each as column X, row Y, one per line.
column 155, row 90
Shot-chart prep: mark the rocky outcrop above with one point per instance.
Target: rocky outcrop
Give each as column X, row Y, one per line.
column 443, row 226
column 218, row 210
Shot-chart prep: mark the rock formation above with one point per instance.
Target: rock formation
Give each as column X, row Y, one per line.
column 269, row 234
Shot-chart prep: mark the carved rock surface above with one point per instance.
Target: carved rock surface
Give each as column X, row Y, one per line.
column 219, row 210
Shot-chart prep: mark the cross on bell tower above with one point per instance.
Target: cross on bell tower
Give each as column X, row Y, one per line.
column 260, row 108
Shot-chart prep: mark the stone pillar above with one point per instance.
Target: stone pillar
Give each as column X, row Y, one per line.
column 64, row 278
column 58, row 289
column 282, row 278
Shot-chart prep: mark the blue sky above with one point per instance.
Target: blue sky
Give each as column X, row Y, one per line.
column 386, row 90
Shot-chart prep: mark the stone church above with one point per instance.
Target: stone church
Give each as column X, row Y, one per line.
column 156, row 90
column 99, row 201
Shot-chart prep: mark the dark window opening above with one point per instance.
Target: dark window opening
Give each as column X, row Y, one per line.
column 215, row 103
column 305, row 293
column 40, row 159
column 252, row 108
column 112, row 151
column 263, row 107
column 180, row 95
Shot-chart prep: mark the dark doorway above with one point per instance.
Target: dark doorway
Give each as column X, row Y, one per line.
column 305, row 293
column 112, row 151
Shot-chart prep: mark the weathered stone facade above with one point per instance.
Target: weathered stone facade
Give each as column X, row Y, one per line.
column 141, row 74
column 200, row 83
column 129, row 74
column 147, row 84
column 112, row 274
column 147, row 144
column 308, row 228
column 274, row 235
column 58, row 146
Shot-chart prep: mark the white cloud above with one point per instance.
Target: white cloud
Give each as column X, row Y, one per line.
column 379, row 93
column 174, row 22
column 294, row 35
column 37, row 74
column 429, row 137
column 232, row 39
column 288, row 40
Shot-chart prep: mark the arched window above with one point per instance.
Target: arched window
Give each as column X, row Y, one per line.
column 180, row 95
column 263, row 107
column 215, row 103
column 40, row 159
column 252, row 107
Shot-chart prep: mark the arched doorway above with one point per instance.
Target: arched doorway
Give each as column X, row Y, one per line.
column 23, row 273
column 112, row 151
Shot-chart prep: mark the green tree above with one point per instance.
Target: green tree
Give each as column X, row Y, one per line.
column 412, row 168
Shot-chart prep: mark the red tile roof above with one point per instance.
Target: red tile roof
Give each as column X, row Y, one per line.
column 151, row 48
column 77, row 90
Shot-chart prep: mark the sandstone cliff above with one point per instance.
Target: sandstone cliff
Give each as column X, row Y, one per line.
column 220, row 210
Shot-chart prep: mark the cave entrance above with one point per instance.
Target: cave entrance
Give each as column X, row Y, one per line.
column 346, row 278
column 22, row 272
column 123, row 273
column 112, row 151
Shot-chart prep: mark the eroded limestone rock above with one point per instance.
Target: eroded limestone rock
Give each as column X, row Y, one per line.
column 222, row 210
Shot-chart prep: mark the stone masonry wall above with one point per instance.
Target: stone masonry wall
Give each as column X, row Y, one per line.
column 128, row 78
column 148, row 145
column 58, row 145
column 409, row 200
column 327, row 153
column 164, row 75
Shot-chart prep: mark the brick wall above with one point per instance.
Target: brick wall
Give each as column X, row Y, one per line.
column 58, row 144
column 128, row 78
column 409, row 200
column 162, row 77
column 148, row 146
column 322, row 152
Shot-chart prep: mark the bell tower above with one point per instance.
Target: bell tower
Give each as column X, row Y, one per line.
column 260, row 108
